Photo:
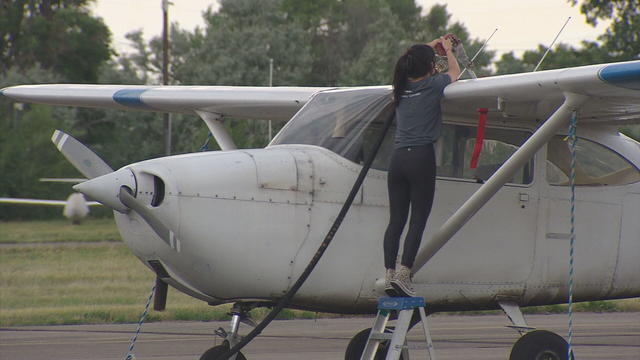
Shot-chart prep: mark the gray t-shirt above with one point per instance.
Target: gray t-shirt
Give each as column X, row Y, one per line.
column 418, row 115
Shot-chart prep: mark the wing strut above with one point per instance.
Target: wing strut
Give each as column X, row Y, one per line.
column 219, row 132
column 550, row 127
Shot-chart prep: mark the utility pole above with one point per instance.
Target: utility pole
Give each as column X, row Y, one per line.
column 165, row 72
column 270, row 85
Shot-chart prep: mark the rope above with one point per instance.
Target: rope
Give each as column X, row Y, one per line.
column 130, row 355
column 572, row 181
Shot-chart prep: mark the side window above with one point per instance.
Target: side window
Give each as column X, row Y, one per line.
column 455, row 148
column 596, row 165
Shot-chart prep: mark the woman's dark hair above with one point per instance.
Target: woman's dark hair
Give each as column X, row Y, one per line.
column 417, row 61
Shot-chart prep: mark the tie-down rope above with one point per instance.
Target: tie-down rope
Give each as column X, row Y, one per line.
column 130, row 355
column 572, row 181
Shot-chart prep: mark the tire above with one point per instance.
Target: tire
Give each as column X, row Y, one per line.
column 357, row 344
column 540, row 345
column 216, row 351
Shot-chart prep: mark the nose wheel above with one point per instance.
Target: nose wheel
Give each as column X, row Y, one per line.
column 239, row 314
column 215, row 352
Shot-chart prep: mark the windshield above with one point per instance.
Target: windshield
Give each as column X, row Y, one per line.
column 346, row 122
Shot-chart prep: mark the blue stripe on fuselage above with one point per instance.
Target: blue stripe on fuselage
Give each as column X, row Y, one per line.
column 131, row 98
column 622, row 75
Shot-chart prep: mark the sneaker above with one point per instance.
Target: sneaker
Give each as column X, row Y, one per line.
column 387, row 282
column 401, row 282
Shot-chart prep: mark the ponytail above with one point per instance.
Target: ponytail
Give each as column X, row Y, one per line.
column 400, row 78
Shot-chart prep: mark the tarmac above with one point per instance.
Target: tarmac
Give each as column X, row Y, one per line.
column 596, row 336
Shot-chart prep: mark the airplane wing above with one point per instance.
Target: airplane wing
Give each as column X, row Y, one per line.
column 613, row 91
column 41, row 202
column 265, row 103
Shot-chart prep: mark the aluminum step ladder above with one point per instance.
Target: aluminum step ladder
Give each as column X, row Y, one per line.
column 405, row 306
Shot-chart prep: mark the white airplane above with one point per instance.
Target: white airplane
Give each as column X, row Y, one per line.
column 240, row 225
column 75, row 207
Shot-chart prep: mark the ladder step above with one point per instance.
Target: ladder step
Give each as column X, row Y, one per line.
column 400, row 303
column 405, row 308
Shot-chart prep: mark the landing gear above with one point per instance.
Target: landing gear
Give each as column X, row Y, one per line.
column 357, row 344
column 536, row 344
column 216, row 351
column 239, row 314
column 540, row 345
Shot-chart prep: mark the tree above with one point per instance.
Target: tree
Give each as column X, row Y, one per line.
column 622, row 38
column 58, row 35
column 238, row 42
column 26, row 150
column 562, row 56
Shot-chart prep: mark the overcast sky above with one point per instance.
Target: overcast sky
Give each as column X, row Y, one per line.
column 522, row 24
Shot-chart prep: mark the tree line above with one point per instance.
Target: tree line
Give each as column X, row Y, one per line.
column 311, row 42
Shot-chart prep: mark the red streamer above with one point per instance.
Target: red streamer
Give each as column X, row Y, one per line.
column 479, row 137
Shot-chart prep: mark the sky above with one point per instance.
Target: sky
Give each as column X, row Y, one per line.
column 522, row 24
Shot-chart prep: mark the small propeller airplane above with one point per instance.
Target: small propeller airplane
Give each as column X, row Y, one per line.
column 239, row 225
column 75, row 207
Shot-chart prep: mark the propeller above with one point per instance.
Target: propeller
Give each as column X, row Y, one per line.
column 114, row 189
column 80, row 156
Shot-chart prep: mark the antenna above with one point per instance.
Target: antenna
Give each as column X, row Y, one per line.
column 478, row 52
column 550, row 46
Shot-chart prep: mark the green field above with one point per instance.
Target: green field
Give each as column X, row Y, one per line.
column 91, row 230
column 77, row 283
column 79, row 278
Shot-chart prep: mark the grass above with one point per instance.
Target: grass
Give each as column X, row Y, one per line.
column 79, row 284
column 83, row 279
column 44, row 231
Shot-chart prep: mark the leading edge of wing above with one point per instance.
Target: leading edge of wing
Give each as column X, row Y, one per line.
column 268, row 103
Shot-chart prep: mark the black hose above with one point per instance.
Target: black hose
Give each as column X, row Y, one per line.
column 321, row 249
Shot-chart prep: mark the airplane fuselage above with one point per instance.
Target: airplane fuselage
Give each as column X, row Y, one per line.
column 245, row 224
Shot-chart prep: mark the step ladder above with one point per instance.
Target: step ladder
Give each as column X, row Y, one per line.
column 405, row 306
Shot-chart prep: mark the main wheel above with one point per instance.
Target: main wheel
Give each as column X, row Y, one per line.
column 359, row 341
column 216, row 351
column 540, row 345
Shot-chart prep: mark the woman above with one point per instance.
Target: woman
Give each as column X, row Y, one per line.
column 417, row 91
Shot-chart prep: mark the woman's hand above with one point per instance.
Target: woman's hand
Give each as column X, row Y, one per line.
column 433, row 42
column 454, row 68
column 447, row 43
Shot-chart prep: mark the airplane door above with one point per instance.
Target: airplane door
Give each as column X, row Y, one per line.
column 601, row 176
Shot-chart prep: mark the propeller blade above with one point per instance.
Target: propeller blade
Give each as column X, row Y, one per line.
column 80, row 156
column 163, row 232
column 160, row 297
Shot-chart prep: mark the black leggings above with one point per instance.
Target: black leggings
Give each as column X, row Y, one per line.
column 411, row 181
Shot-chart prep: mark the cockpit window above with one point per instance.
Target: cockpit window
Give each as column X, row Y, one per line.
column 596, row 165
column 345, row 122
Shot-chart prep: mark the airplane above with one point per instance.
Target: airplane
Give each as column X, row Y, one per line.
column 75, row 207
column 240, row 225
